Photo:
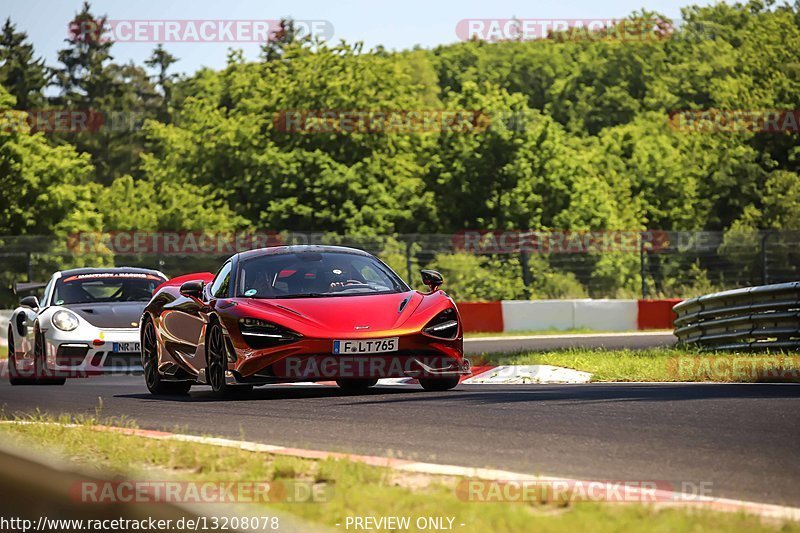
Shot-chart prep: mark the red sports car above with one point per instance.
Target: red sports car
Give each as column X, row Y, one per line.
column 300, row 313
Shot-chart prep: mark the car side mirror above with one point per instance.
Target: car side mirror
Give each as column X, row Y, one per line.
column 432, row 279
column 30, row 301
column 193, row 289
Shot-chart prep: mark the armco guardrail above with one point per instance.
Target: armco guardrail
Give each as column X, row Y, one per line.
column 752, row 318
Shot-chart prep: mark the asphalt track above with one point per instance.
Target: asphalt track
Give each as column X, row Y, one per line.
column 742, row 439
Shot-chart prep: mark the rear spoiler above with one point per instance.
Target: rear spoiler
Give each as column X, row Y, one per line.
column 205, row 277
column 28, row 286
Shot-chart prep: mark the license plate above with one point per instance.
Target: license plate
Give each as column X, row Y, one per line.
column 366, row 346
column 127, row 347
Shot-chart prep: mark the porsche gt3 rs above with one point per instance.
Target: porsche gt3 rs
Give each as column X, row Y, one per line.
column 296, row 314
column 86, row 323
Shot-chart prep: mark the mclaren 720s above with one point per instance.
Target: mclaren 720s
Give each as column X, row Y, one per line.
column 300, row 314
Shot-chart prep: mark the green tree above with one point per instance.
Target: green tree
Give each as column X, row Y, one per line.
column 23, row 75
column 37, row 180
column 161, row 60
column 89, row 81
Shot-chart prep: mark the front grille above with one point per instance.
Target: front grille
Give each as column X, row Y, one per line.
column 71, row 355
column 114, row 359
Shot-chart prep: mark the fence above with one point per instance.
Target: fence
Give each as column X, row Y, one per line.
column 749, row 319
column 477, row 265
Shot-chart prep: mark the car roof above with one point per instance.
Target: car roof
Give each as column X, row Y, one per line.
column 304, row 248
column 127, row 270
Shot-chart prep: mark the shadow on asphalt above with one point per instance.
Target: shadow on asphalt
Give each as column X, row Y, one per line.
column 272, row 393
column 503, row 394
column 597, row 393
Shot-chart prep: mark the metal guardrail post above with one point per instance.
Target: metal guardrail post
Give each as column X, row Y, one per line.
column 642, row 266
column 764, row 272
column 527, row 280
column 409, row 265
column 30, row 267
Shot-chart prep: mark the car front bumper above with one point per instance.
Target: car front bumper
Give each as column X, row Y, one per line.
column 419, row 355
column 91, row 351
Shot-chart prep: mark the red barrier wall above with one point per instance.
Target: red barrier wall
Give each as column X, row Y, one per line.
column 481, row 316
column 657, row 314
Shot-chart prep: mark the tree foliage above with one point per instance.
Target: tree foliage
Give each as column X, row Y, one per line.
column 570, row 133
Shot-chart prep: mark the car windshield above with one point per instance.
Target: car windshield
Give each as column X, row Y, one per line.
column 315, row 275
column 106, row 287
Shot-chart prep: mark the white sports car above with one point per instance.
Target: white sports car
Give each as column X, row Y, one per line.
column 87, row 323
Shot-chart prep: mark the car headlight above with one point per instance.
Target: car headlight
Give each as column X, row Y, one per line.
column 261, row 334
column 444, row 325
column 65, row 321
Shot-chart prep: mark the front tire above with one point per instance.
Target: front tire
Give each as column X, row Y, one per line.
column 439, row 384
column 40, row 371
column 356, row 385
column 218, row 365
column 13, row 373
column 152, row 378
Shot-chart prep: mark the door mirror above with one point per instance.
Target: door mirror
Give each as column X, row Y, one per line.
column 432, row 279
column 193, row 289
column 30, row 301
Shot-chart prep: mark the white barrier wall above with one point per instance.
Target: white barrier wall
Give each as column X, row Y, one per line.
column 602, row 315
column 5, row 316
column 607, row 315
column 524, row 315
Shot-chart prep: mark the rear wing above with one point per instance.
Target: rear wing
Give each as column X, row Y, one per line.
column 28, row 286
column 177, row 281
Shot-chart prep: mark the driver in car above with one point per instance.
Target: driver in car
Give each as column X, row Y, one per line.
column 341, row 277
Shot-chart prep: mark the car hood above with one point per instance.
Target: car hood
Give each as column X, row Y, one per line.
column 346, row 314
column 110, row 314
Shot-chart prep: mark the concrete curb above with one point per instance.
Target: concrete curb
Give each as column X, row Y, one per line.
column 524, row 374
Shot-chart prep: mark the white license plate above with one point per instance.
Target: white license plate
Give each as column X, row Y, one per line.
column 127, row 347
column 366, row 346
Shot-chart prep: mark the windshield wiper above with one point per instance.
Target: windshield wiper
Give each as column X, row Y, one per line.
column 304, row 295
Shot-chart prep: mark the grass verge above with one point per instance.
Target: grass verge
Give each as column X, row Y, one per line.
column 661, row 364
column 354, row 489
